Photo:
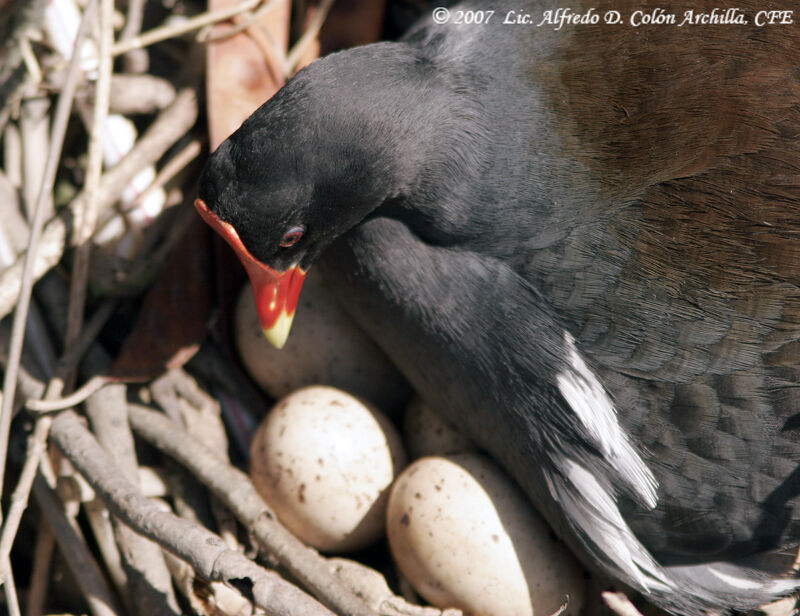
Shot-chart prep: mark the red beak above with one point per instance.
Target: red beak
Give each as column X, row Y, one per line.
column 276, row 292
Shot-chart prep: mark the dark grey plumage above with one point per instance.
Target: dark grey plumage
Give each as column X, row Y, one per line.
column 582, row 247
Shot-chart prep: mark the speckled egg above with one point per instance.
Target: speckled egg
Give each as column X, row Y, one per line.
column 324, row 461
column 466, row 537
column 426, row 433
column 325, row 347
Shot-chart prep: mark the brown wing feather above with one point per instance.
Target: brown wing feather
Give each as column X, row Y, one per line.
column 682, row 284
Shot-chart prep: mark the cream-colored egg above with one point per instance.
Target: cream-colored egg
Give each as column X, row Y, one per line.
column 426, row 433
column 325, row 347
column 466, row 537
column 324, row 461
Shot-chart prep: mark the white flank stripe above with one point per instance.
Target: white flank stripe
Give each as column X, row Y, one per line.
column 595, row 511
column 584, row 393
column 736, row 582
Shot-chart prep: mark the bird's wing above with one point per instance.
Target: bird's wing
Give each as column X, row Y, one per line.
column 680, row 284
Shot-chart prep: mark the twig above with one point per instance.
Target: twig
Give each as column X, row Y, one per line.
column 10, row 588
column 204, row 550
column 234, row 489
column 76, row 553
column 296, row 52
column 26, row 283
column 175, row 165
column 12, row 155
column 37, row 445
column 40, row 570
column 204, row 36
column 34, row 127
column 13, row 82
column 620, row 604
column 200, row 413
column 48, row 252
column 37, row 441
column 90, row 387
column 29, row 58
column 171, row 125
column 162, row 33
column 374, row 590
column 238, row 397
column 153, row 251
column 68, row 362
column 133, row 20
column 86, row 216
column 103, row 532
column 148, row 581
column 136, row 60
column 133, row 94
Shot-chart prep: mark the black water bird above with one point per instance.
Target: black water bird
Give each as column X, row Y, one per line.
column 581, row 245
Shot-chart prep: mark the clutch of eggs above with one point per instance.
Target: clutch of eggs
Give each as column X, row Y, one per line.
column 325, row 461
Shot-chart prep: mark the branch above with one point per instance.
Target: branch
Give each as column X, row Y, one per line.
column 620, row 604
column 87, row 573
column 234, row 488
column 149, row 587
column 172, row 124
column 22, row 292
column 204, row 550
column 162, row 33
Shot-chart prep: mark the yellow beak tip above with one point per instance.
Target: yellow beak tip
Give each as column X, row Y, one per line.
column 279, row 332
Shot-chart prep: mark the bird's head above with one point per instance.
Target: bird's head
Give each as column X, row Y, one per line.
column 306, row 167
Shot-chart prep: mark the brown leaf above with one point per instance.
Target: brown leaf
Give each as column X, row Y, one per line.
column 244, row 70
column 173, row 318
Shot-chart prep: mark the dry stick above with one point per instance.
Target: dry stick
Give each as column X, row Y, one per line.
column 13, row 81
column 37, row 442
column 236, row 491
column 37, row 445
column 86, row 216
column 96, row 513
column 87, row 573
column 139, row 94
column 49, row 251
column 12, row 154
column 34, row 126
column 162, row 33
column 172, row 124
column 80, row 395
column 201, row 548
column 136, row 61
column 11, row 590
column 620, row 604
column 26, row 283
column 308, row 37
column 133, row 20
column 150, row 582
column 200, row 413
column 12, row 600
column 149, row 586
column 40, row 571
column 175, row 165
column 204, row 36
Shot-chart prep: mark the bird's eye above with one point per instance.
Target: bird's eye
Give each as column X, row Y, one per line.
column 291, row 237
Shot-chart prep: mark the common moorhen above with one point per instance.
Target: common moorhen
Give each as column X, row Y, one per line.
column 581, row 243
